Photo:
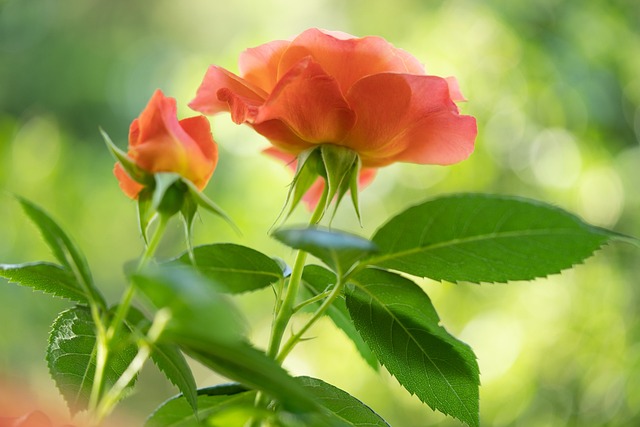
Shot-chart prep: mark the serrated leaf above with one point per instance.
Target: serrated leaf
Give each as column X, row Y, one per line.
column 168, row 359
column 234, row 268
column 485, row 238
column 176, row 411
column 345, row 409
column 50, row 278
column 396, row 318
column 64, row 250
column 337, row 249
column 316, row 280
column 71, row 356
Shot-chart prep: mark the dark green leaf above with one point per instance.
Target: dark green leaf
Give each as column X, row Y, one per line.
column 396, row 318
column 344, row 409
column 64, row 250
column 46, row 277
column 212, row 401
column 337, row 249
column 71, row 356
column 485, row 238
column 316, row 280
column 167, row 358
column 234, row 268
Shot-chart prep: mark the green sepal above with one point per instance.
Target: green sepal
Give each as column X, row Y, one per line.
column 309, row 168
column 134, row 171
column 339, row 164
column 145, row 211
column 201, row 200
column 168, row 193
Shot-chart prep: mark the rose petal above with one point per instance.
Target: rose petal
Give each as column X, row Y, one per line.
column 201, row 163
column 217, row 78
column 454, row 89
column 259, row 65
column 130, row 187
column 347, row 59
column 309, row 102
column 409, row 118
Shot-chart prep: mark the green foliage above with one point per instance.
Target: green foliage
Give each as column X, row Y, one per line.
column 339, row 250
column 46, row 277
column 485, row 238
column 233, row 268
column 317, row 280
column 64, row 250
column 345, row 410
column 168, row 359
column 212, row 402
column 397, row 320
column 71, row 356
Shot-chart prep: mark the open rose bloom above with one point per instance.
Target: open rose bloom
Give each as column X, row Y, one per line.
column 332, row 88
column 159, row 142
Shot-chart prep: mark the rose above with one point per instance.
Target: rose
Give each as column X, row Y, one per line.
column 158, row 142
column 331, row 88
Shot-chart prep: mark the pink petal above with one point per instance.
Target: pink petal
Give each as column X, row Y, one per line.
column 347, row 59
column 309, row 102
column 259, row 65
column 408, row 118
column 216, row 79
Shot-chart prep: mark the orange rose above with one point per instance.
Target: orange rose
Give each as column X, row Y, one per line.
column 331, row 88
column 158, row 142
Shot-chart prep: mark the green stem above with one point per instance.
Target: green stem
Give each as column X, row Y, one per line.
column 145, row 345
column 105, row 336
column 294, row 339
column 283, row 316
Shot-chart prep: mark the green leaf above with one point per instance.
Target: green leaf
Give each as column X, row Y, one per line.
column 344, row 409
column 64, row 250
column 485, row 238
column 71, row 356
column 198, row 309
column 212, row 401
column 241, row 362
column 130, row 167
column 46, row 277
column 318, row 279
column 396, row 318
column 234, row 268
column 337, row 249
column 167, row 358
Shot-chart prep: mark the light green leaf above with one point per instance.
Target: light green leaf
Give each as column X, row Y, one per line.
column 485, row 238
column 318, row 279
column 234, row 268
column 64, row 250
column 45, row 277
column 167, row 358
column 71, row 356
column 212, row 401
column 396, row 318
column 345, row 410
column 196, row 305
column 337, row 249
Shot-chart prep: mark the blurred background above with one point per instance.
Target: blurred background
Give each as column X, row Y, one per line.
column 555, row 87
